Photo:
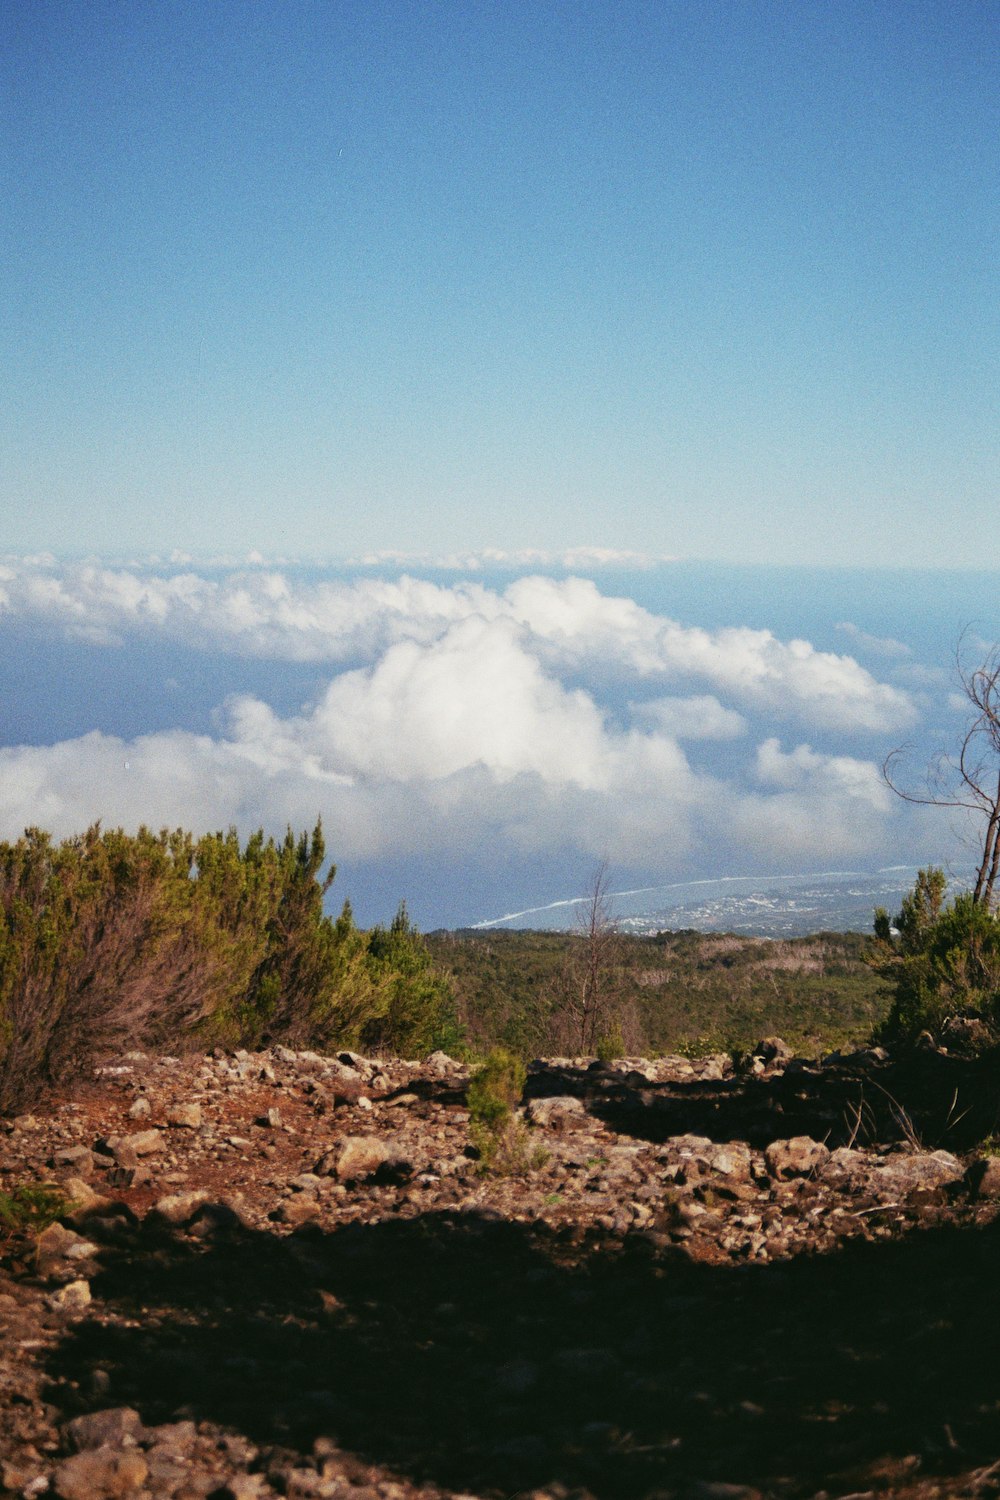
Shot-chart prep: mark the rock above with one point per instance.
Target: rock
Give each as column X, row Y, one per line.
column 71, row 1298
column 56, row 1244
column 845, row 1166
column 17, row 1478
column 113, row 1425
column 966, row 1034
column 899, row 1175
column 562, row 1114
column 125, row 1148
column 341, row 1090
column 214, row 1216
column 984, row 1177
column 359, row 1158
column 79, row 1158
column 127, row 1177
column 82, row 1199
column 105, row 1473
column 177, row 1209
column 140, row 1109
column 438, row 1064
column 184, row 1116
column 772, row 1051
column 298, row 1210
column 800, row 1156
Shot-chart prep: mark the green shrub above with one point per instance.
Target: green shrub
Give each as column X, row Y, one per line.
column 415, row 1013
column 944, row 959
column 494, row 1094
column 112, row 939
column 29, row 1208
column 611, row 1043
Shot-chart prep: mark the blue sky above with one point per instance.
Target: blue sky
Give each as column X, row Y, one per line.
column 522, row 434
column 709, row 280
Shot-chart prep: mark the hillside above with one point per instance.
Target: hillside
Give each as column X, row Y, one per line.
column 680, row 991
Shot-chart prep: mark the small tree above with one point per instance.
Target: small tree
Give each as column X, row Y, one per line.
column 588, row 995
column 494, row 1093
column 416, row 1012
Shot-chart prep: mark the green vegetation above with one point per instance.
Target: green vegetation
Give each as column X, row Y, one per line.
column 686, row 992
column 29, row 1208
column 112, row 939
column 940, row 959
column 494, row 1129
column 416, row 1011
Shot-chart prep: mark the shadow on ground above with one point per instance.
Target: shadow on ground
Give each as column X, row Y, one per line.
column 491, row 1355
column 932, row 1098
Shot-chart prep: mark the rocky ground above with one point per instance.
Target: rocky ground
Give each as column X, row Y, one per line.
column 281, row 1274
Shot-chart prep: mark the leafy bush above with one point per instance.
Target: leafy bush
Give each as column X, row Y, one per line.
column 611, row 1043
column 29, row 1208
column 940, row 960
column 494, row 1094
column 416, row 1011
column 113, row 939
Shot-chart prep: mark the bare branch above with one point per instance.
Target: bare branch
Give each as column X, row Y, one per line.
column 971, row 779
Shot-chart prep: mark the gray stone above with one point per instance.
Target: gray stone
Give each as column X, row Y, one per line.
column 74, row 1297
column 361, row 1157
column 178, row 1209
column 79, row 1158
column 105, row 1473
column 898, row 1176
column 984, row 1177
column 562, row 1114
column 126, row 1148
column 113, row 1425
column 185, row 1116
column 800, row 1156
column 298, row 1210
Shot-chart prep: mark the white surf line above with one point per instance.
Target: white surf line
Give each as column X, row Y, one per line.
column 679, row 885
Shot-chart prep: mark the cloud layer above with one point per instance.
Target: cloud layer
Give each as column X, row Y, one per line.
column 568, row 625
column 472, row 724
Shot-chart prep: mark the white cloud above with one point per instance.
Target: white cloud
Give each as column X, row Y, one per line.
column 462, row 747
column 467, row 723
column 881, row 645
column 831, row 775
column 502, row 560
column 570, row 624
column 696, row 718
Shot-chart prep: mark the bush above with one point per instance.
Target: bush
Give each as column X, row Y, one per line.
column 941, row 960
column 494, row 1094
column 113, row 939
column 416, row 1010
column 29, row 1208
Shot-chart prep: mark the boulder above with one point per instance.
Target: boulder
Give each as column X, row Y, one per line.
column 984, row 1177
column 185, row 1116
column 800, row 1156
column 360, row 1158
column 95, row 1428
column 178, row 1209
column 900, row 1175
column 772, row 1051
column 74, row 1297
column 105, row 1473
column 563, row 1113
column 126, row 1149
